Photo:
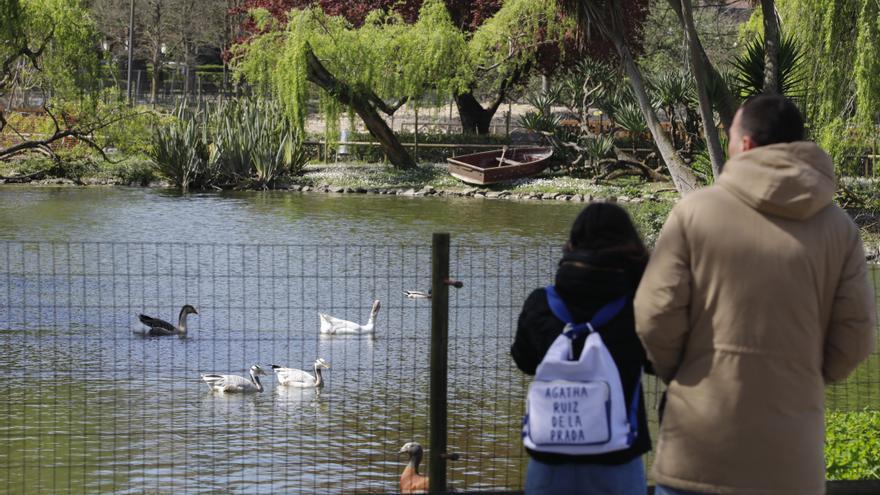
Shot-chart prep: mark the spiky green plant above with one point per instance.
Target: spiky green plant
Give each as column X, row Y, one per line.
column 629, row 118
column 255, row 143
column 179, row 151
column 669, row 91
column 749, row 77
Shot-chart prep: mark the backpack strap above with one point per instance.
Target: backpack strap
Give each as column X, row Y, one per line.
column 573, row 330
column 633, row 416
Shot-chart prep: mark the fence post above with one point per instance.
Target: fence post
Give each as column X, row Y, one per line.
column 439, row 361
column 416, row 135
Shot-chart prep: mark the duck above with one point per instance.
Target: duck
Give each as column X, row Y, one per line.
column 161, row 328
column 411, row 481
column 336, row 326
column 417, row 294
column 298, row 378
column 235, row 383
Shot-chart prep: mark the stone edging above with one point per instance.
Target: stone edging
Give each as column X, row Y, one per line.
column 469, row 193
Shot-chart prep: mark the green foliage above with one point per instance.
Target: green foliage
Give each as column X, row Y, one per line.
column 132, row 135
column 867, row 74
column 69, row 65
column 243, row 142
column 852, row 445
column 629, row 118
column 840, row 39
column 511, row 37
column 671, row 89
column 135, row 170
column 385, row 55
column 253, row 140
column 180, row 151
column 749, row 78
column 542, row 119
column 846, row 143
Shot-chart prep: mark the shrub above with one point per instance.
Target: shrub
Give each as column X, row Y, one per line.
column 254, row 141
column 180, row 151
column 852, row 445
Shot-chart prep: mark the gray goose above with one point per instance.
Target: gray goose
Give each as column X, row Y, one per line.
column 161, row 328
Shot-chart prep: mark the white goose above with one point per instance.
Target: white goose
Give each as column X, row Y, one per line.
column 336, row 326
column 299, row 378
column 417, row 294
column 235, row 383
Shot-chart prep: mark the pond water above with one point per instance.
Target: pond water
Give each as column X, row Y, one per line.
column 98, row 409
column 90, row 407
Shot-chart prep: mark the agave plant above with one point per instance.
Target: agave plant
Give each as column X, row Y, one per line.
column 671, row 90
column 629, row 118
column 596, row 148
column 749, row 77
column 542, row 119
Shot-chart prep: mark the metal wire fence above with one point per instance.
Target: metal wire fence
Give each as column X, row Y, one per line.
column 90, row 406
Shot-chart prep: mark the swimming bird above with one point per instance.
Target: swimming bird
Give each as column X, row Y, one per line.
column 417, row 294
column 160, row 328
column 235, row 383
column 336, row 326
column 411, row 481
column 299, row 378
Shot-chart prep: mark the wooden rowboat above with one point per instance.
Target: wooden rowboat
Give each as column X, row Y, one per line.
column 501, row 165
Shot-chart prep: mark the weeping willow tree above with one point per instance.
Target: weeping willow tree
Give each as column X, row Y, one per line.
column 842, row 38
column 505, row 49
column 372, row 69
column 361, row 69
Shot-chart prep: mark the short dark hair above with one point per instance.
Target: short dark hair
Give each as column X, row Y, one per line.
column 770, row 119
column 605, row 227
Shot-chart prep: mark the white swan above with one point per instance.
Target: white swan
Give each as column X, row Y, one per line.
column 336, row 326
column 299, row 378
column 235, row 383
column 417, row 294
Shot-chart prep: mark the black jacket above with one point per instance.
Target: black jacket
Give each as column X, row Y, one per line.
column 586, row 283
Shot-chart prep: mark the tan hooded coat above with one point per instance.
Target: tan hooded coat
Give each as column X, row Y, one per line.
column 757, row 295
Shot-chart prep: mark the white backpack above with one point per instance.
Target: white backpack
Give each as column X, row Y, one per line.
column 577, row 407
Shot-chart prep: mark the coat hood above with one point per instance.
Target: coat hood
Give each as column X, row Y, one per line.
column 790, row 180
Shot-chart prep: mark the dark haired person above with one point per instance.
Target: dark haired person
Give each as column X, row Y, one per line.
column 602, row 261
column 757, row 296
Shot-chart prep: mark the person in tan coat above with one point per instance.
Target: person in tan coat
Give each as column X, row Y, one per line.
column 756, row 296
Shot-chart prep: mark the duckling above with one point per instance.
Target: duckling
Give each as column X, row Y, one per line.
column 161, row 328
column 411, row 481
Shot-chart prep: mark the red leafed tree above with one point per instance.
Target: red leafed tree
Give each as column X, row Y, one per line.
column 468, row 15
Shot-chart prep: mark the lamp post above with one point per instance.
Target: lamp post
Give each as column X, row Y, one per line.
column 130, row 47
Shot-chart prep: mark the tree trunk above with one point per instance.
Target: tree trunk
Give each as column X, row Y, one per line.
column 319, row 75
column 726, row 102
column 474, row 118
column 682, row 176
column 771, row 47
column 157, row 75
column 713, row 143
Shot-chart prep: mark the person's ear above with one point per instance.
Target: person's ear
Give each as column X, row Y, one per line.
column 567, row 248
column 748, row 143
